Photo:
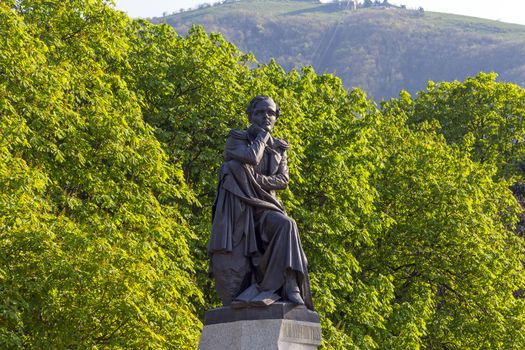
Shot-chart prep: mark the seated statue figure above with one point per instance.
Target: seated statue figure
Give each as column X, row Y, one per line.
column 256, row 257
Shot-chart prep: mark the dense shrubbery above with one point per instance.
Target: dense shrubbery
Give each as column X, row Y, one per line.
column 111, row 134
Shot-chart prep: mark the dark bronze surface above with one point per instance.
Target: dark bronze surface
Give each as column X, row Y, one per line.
column 278, row 310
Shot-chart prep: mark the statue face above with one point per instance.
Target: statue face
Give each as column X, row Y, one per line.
column 264, row 115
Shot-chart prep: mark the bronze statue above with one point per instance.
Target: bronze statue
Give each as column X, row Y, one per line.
column 255, row 248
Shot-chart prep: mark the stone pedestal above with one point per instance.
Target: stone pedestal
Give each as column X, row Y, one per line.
column 280, row 326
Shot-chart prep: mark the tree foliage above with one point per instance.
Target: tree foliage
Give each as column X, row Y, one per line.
column 111, row 135
column 480, row 115
column 94, row 246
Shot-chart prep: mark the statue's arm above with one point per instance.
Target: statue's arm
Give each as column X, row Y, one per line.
column 278, row 181
column 238, row 149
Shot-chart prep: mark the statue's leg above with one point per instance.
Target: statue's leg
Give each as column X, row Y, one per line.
column 232, row 273
column 283, row 264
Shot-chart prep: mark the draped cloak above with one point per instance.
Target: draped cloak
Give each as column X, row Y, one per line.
column 247, row 217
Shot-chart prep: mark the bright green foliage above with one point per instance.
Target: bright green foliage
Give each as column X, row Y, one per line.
column 111, row 136
column 192, row 89
column 94, row 248
column 480, row 115
column 454, row 259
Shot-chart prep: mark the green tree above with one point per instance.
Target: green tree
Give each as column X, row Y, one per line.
column 452, row 254
column 99, row 255
column 481, row 115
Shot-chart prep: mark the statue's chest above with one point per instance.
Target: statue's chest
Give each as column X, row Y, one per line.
column 269, row 163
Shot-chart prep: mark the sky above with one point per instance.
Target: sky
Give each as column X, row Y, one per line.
column 512, row 11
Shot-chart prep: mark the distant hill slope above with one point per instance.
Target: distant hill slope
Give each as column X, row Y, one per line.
column 379, row 50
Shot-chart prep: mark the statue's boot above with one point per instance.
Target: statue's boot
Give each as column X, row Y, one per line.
column 291, row 289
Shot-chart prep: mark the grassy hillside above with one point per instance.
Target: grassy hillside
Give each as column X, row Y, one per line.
column 379, row 50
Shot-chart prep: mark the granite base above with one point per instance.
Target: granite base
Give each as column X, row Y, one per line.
column 280, row 326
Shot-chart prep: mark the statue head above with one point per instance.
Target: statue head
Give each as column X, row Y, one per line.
column 263, row 112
